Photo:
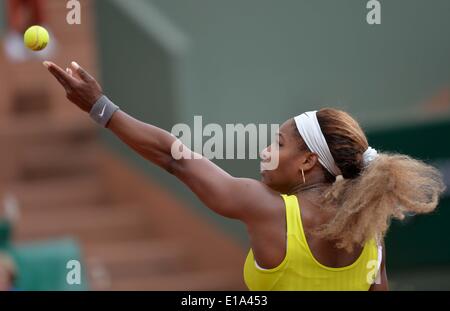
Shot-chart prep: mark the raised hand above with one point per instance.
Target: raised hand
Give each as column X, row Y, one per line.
column 81, row 88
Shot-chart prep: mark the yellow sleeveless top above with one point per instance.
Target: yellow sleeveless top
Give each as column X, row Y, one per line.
column 299, row 270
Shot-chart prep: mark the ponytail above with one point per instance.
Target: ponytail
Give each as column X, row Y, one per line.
column 392, row 186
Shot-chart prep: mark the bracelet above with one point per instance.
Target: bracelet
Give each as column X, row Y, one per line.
column 103, row 110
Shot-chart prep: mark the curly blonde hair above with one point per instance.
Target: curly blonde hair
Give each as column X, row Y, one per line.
column 365, row 201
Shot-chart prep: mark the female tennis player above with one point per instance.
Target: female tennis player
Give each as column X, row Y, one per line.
column 318, row 220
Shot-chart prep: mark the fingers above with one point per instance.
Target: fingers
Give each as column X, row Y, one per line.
column 63, row 82
column 69, row 71
column 83, row 74
column 63, row 77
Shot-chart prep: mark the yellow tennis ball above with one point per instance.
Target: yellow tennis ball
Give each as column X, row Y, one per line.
column 36, row 38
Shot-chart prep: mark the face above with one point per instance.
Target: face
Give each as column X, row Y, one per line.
column 292, row 158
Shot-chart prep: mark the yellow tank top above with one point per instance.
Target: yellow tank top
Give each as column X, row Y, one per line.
column 299, row 270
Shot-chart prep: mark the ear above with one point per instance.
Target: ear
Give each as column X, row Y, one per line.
column 309, row 161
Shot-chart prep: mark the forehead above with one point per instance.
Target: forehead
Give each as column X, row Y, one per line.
column 287, row 133
column 288, row 127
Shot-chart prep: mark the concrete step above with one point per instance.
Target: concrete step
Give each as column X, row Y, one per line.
column 139, row 258
column 220, row 279
column 39, row 163
column 50, row 129
column 58, row 192
column 98, row 225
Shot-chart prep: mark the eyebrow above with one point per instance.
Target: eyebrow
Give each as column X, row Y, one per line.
column 280, row 135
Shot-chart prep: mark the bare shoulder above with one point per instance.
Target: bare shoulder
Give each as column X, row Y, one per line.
column 266, row 225
column 260, row 201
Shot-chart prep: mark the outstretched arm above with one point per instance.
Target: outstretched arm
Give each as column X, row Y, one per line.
column 238, row 198
column 224, row 194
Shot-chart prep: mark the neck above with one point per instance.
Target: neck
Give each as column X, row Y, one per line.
column 318, row 183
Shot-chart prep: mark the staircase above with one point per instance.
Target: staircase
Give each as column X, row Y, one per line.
column 134, row 235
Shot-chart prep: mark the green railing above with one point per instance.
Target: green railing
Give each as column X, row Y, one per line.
column 42, row 266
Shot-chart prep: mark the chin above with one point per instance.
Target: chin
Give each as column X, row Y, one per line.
column 265, row 179
column 268, row 182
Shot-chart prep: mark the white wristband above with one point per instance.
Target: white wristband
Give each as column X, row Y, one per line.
column 103, row 110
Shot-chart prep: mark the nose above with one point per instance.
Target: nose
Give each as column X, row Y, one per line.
column 265, row 154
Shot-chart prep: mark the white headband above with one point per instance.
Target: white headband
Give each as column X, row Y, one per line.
column 309, row 128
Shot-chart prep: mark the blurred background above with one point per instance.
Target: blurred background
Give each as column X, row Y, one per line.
column 70, row 191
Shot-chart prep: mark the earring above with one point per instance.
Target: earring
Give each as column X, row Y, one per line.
column 303, row 175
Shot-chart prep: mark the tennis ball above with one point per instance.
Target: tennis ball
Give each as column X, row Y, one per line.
column 36, row 38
